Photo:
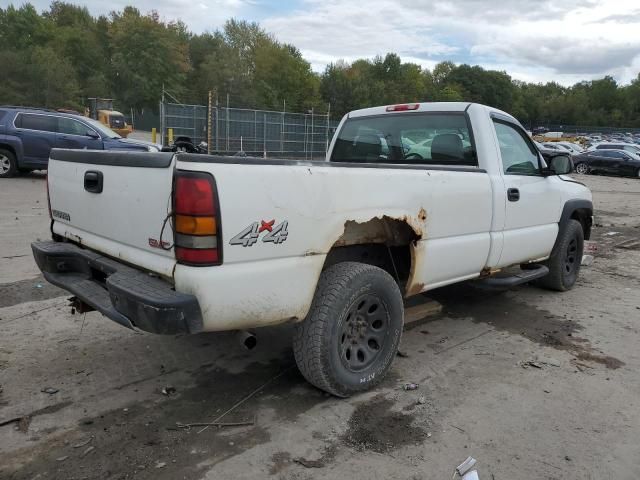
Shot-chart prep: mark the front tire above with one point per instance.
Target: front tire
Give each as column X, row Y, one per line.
column 582, row 168
column 8, row 166
column 564, row 264
column 351, row 335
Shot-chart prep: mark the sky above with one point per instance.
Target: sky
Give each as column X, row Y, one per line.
column 533, row 40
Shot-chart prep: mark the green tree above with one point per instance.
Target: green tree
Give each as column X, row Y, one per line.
column 147, row 54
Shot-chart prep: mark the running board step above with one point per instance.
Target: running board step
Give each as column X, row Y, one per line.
column 523, row 276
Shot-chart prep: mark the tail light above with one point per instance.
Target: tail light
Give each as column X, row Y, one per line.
column 196, row 219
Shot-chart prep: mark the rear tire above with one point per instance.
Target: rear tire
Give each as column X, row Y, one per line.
column 582, row 168
column 564, row 265
column 351, row 335
column 8, row 166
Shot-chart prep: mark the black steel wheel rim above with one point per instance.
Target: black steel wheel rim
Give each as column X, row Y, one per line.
column 363, row 332
column 571, row 257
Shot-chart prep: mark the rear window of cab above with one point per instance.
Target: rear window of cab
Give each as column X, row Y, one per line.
column 407, row 138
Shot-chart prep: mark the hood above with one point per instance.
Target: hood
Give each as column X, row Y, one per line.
column 132, row 143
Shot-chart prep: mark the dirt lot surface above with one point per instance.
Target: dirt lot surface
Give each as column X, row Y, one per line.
column 572, row 413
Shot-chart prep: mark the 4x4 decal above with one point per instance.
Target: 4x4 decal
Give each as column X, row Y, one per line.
column 250, row 235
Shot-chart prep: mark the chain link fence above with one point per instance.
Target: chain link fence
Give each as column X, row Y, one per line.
column 260, row 133
column 184, row 120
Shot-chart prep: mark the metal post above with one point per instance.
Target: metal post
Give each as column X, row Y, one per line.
column 305, row 136
column 284, row 107
column 326, row 148
column 209, row 113
column 217, row 125
column 162, row 123
column 227, row 123
column 264, row 139
column 312, row 134
column 255, row 130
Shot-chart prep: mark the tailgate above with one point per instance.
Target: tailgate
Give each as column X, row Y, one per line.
column 115, row 203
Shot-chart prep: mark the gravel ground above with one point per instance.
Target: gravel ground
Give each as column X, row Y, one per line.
column 572, row 413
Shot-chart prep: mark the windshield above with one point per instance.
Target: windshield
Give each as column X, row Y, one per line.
column 431, row 138
column 116, row 120
column 103, row 129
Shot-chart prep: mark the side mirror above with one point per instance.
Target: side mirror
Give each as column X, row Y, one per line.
column 560, row 164
column 92, row 134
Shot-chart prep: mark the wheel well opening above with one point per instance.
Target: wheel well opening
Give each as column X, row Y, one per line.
column 583, row 215
column 384, row 242
column 4, row 146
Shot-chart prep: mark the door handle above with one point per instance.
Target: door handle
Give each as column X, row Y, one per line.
column 93, row 181
column 513, row 194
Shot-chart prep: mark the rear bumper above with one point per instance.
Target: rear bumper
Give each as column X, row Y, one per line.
column 124, row 294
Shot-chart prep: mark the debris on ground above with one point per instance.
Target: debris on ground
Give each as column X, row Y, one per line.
column 630, row 244
column 611, row 234
column 410, row 386
column 420, row 312
column 161, row 464
column 590, row 247
column 530, row 363
column 84, row 443
column 187, row 426
column 168, row 391
column 88, row 451
column 23, row 423
column 472, row 475
column 587, row 260
column 402, row 354
column 422, row 400
column 465, row 466
column 540, row 362
column 309, row 463
column 62, row 459
column 50, row 390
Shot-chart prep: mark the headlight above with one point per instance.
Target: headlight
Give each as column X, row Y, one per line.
column 151, row 148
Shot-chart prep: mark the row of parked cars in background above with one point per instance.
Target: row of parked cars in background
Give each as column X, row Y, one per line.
column 597, row 154
column 27, row 136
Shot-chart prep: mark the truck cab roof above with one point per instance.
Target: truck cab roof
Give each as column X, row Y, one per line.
column 426, row 107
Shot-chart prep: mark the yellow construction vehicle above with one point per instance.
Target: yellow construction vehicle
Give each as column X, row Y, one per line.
column 101, row 109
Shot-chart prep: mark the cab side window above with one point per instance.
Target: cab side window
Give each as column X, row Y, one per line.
column 70, row 126
column 42, row 123
column 519, row 156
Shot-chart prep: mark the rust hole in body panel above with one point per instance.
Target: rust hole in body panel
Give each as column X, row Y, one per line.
column 387, row 242
column 392, row 232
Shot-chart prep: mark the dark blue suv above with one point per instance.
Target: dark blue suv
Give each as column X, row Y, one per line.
column 27, row 136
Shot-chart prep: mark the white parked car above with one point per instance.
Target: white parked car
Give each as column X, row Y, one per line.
column 172, row 243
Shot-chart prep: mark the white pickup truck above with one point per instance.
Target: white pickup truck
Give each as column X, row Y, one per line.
column 172, row 243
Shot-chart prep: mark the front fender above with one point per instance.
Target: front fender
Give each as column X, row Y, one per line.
column 572, row 208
